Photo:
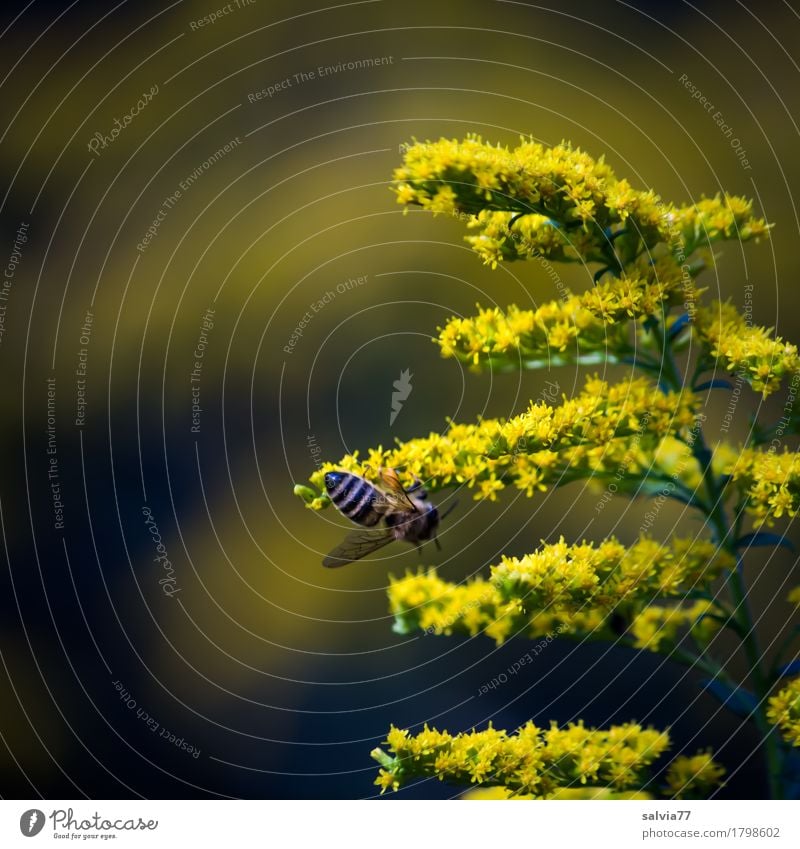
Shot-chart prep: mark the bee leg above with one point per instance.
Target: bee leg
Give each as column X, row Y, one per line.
column 448, row 511
column 438, row 544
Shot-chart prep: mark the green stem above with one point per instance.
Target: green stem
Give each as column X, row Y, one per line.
column 760, row 680
column 726, row 538
column 383, row 758
column 704, row 662
column 613, row 262
column 743, row 617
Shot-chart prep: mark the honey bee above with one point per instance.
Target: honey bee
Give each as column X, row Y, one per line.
column 406, row 513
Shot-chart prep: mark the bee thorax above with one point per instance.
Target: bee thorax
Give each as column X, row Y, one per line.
column 414, row 527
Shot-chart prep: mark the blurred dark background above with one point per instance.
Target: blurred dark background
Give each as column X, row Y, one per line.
column 284, row 676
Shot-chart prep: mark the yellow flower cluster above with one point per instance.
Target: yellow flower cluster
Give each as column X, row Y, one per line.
column 427, row 603
column 578, row 329
column 712, row 219
column 562, row 588
column 493, row 794
column 532, row 760
column 500, row 794
column 762, row 358
column 607, row 573
column 641, row 294
column 674, row 458
column 502, row 238
column 572, row 207
column 656, row 627
column 556, row 333
column 591, row 434
column 695, row 777
column 560, row 182
column 770, row 482
column 784, row 711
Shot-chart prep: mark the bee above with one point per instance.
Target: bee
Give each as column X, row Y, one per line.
column 386, row 513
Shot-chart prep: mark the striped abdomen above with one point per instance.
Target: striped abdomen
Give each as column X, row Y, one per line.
column 354, row 497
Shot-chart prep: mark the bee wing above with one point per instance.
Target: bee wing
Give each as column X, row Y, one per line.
column 396, row 492
column 357, row 544
column 393, row 494
column 393, row 501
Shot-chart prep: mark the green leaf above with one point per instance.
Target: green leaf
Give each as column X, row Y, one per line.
column 736, row 699
column 764, row 539
column 717, row 383
column 789, row 670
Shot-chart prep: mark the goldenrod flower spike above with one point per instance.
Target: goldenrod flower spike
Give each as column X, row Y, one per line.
column 532, row 760
column 592, row 434
column 424, row 602
column 714, row 219
column 769, row 482
column 608, row 573
column 784, row 712
column 569, row 589
column 587, row 328
column 755, row 354
column 656, row 627
column 694, row 777
column 560, row 203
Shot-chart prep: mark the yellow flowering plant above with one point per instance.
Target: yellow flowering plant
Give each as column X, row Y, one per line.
column 784, row 711
column 641, row 437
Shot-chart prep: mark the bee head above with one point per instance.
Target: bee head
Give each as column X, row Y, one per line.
column 332, row 480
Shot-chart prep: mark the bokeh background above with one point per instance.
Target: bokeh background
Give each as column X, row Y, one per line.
column 283, row 675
